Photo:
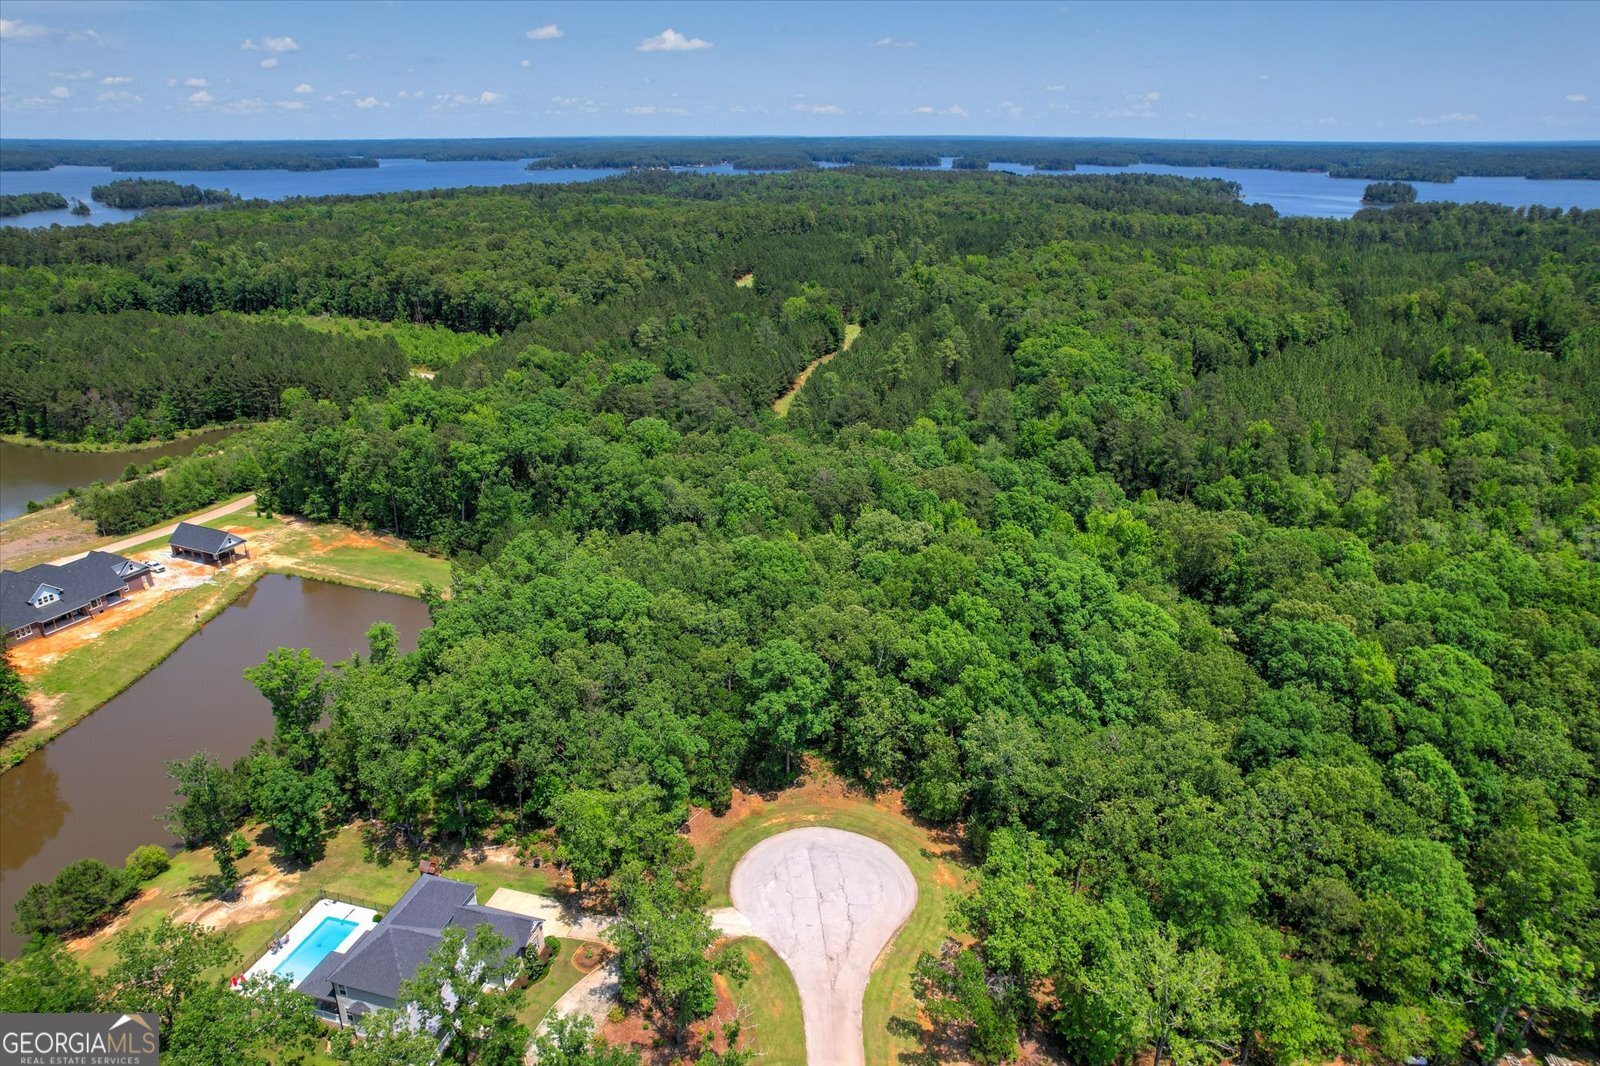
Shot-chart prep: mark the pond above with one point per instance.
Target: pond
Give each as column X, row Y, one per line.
column 98, row 790
column 33, row 473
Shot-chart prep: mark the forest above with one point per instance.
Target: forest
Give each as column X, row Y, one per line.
column 1399, row 161
column 1228, row 583
column 139, row 193
column 24, row 203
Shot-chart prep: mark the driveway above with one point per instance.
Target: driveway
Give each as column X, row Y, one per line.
column 559, row 920
column 828, row 902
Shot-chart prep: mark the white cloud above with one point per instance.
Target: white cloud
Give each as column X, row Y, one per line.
column 72, row 75
column 201, row 97
column 61, row 92
column 116, row 79
column 1576, row 98
column 1327, row 120
column 193, row 83
column 451, row 101
column 545, row 33
column 923, row 110
column 525, row 64
column 1450, row 116
column 1055, row 88
column 1139, row 105
column 367, row 103
column 652, row 109
column 275, row 45
column 119, row 96
column 818, row 109
column 890, row 42
column 15, row 30
column 269, row 62
column 1009, row 108
column 304, row 88
column 955, row 109
column 291, row 105
column 670, row 40
column 251, row 105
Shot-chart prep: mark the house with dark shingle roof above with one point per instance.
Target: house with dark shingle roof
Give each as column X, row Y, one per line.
column 46, row 598
column 367, row 975
column 214, row 546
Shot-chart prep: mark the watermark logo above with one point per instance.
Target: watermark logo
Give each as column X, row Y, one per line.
column 79, row 1040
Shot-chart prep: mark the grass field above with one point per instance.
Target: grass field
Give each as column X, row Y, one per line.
column 934, row 864
column 770, row 1005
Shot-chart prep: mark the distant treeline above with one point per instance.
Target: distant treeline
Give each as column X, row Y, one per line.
column 27, row 202
column 1402, row 162
column 136, row 374
column 139, row 193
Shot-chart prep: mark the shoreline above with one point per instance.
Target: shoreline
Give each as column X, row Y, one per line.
column 24, row 441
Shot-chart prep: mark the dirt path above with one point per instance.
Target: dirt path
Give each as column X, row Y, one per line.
column 828, row 902
column 781, row 405
column 166, row 531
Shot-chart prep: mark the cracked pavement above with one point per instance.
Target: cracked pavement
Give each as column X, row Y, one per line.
column 828, row 902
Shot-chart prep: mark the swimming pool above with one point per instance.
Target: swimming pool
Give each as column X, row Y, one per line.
column 327, row 936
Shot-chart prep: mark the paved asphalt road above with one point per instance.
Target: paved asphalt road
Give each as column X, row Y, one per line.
column 828, row 902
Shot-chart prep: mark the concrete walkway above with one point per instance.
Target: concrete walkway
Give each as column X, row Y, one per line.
column 592, row 996
column 828, row 902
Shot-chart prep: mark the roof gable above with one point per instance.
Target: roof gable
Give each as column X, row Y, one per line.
column 204, row 539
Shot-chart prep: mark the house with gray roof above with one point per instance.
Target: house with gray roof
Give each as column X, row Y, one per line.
column 47, row 598
column 214, row 546
column 367, row 975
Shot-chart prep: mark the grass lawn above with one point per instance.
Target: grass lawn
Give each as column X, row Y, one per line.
column 773, row 1026
column 268, row 895
column 562, row 975
column 935, row 866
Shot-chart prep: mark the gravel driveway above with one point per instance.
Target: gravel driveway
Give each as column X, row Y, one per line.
column 828, row 902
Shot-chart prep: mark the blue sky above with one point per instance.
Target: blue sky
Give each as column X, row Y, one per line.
column 1293, row 71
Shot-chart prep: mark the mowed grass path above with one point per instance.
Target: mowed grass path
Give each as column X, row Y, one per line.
column 935, row 864
column 770, row 1004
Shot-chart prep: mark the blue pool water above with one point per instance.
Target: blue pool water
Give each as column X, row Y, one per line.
column 328, row 934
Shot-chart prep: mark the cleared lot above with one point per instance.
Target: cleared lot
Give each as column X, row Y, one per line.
column 828, row 902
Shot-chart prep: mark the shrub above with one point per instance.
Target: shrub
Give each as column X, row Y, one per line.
column 148, row 861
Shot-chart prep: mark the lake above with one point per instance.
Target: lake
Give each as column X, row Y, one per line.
column 1290, row 192
column 30, row 473
column 96, row 791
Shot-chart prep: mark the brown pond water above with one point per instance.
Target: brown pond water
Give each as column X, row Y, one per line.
column 97, row 791
column 31, row 473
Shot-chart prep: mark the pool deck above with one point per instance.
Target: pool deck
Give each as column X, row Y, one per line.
column 327, row 908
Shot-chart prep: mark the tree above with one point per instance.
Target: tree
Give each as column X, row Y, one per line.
column 662, row 935
column 259, row 1023
column 211, row 805
column 954, row 990
column 80, row 895
column 14, row 712
column 292, row 803
column 789, row 708
column 46, row 980
column 1169, row 998
column 462, row 995
column 570, row 1040
column 293, row 682
column 157, row 969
